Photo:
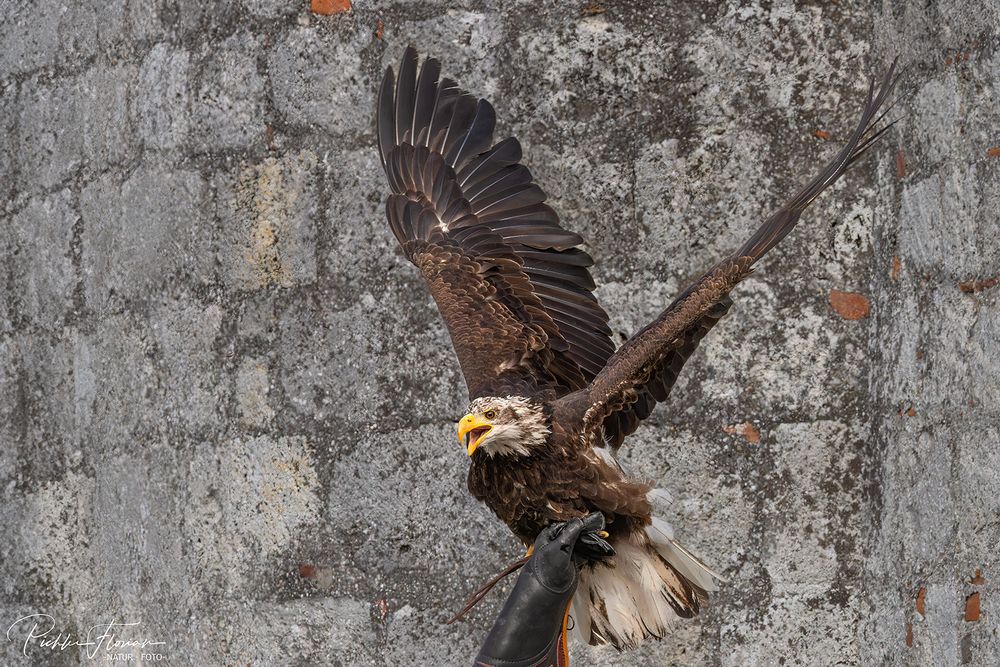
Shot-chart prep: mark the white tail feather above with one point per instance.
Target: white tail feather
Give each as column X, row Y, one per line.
column 581, row 607
column 690, row 567
column 650, row 582
column 620, row 618
column 659, row 497
column 647, row 588
column 660, row 531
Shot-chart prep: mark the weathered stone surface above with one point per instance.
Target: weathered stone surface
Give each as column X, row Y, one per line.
column 229, row 103
column 34, row 35
column 146, row 233
column 227, row 401
column 105, row 95
column 267, row 217
column 320, row 82
column 49, row 150
column 162, row 110
column 42, row 235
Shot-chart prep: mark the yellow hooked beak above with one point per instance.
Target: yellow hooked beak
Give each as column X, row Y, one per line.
column 472, row 430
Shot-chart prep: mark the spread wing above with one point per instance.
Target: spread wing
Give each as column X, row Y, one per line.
column 636, row 375
column 512, row 285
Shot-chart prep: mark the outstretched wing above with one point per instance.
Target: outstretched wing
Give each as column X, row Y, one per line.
column 656, row 389
column 512, row 285
column 634, row 378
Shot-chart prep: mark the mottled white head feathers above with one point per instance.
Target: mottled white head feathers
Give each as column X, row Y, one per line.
column 518, row 425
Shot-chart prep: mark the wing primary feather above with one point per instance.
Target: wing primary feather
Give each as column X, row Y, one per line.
column 478, row 137
column 462, row 115
column 448, row 92
column 386, row 121
column 549, row 271
column 535, row 214
column 513, row 198
column 405, row 90
column 505, row 153
column 572, row 257
column 515, row 174
column 426, row 95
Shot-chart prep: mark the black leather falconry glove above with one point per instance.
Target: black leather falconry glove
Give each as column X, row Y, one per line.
column 531, row 629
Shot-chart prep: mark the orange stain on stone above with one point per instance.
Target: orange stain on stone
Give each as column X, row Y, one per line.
column 972, row 608
column 747, row 430
column 328, row 7
column 850, row 305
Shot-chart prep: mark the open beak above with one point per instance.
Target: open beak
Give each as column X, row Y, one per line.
column 472, row 430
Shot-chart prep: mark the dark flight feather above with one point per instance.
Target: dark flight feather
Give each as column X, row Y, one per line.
column 426, row 96
column 405, row 93
column 477, row 138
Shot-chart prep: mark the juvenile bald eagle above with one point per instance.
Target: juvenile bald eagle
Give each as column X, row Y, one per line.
column 552, row 400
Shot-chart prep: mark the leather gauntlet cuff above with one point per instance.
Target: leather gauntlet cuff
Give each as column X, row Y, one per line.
column 531, row 629
column 529, row 632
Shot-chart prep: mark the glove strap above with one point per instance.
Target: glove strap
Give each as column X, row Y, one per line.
column 562, row 658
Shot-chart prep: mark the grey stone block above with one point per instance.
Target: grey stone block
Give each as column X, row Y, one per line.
column 248, row 494
column 41, row 234
column 318, row 81
column 8, row 140
column 162, row 105
column 38, row 34
column 49, row 144
column 267, row 212
column 105, row 122
column 144, row 233
column 29, row 39
column 228, row 107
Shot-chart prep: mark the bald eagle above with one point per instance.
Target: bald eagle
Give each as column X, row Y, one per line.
column 551, row 398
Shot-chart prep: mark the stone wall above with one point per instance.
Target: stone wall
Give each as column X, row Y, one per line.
column 227, row 402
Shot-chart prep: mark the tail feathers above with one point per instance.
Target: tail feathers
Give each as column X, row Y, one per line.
column 615, row 615
column 639, row 594
column 686, row 563
column 580, row 611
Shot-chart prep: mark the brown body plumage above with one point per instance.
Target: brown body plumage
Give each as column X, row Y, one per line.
column 561, row 480
column 552, row 399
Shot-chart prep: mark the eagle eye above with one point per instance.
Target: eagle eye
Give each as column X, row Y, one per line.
column 490, row 414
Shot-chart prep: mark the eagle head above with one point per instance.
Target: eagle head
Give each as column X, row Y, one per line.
column 509, row 425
